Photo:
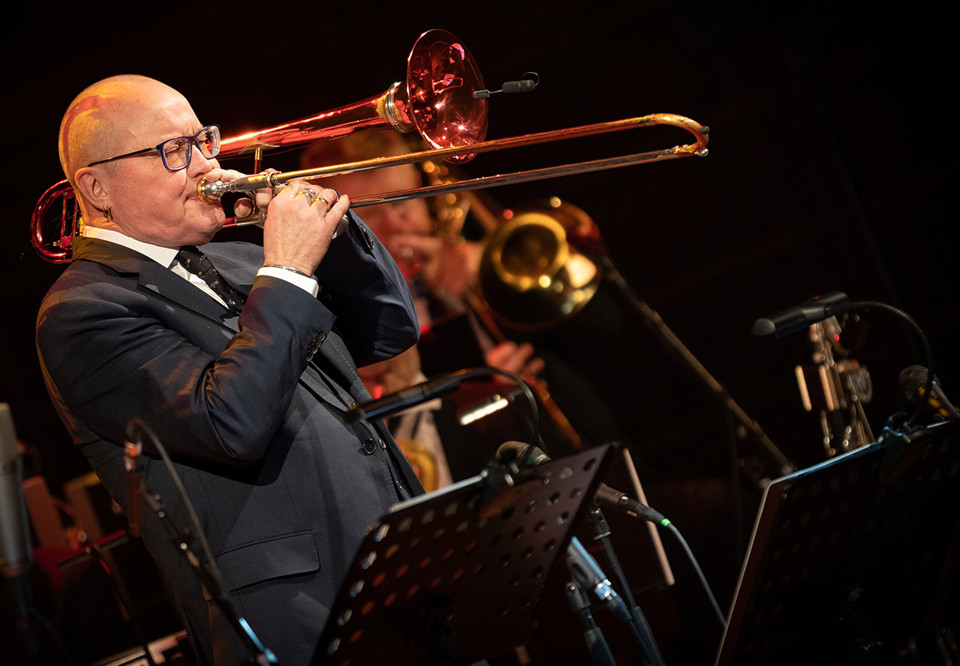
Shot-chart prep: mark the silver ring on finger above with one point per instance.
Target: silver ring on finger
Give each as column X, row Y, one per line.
column 310, row 194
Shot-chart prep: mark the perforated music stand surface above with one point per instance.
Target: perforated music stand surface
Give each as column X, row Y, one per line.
column 456, row 576
column 851, row 557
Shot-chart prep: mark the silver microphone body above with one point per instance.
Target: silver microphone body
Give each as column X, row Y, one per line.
column 16, row 551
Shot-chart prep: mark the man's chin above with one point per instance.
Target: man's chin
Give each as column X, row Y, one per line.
column 212, row 215
column 205, row 225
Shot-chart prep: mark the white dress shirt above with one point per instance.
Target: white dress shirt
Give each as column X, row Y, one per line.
column 167, row 256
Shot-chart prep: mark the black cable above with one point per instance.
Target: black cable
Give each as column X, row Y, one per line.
column 921, row 337
column 182, row 491
column 521, row 386
column 696, row 566
column 658, row 518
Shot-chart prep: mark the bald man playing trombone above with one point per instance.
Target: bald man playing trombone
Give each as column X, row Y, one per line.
column 246, row 391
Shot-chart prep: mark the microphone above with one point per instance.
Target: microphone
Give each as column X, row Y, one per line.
column 133, row 463
column 606, row 496
column 800, row 316
column 16, row 551
column 528, row 83
column 406, row 398
column 913, row 383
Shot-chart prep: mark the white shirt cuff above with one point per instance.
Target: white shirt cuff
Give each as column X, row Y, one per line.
column 306, row 282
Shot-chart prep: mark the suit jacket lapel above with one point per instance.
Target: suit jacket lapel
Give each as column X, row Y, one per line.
column 164, row 282
column 152, row 277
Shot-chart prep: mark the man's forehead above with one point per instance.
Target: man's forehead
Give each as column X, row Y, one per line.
column 151, row 114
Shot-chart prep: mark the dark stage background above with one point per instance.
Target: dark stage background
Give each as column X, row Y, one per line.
column 829, row 169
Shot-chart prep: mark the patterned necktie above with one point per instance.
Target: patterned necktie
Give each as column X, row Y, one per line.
column 197, row 263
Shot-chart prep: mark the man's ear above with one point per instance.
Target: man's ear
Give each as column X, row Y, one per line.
column 92, row 188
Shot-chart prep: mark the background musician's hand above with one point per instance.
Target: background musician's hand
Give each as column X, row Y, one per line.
column 516, row 359
column 301, row 221
column 393, row 374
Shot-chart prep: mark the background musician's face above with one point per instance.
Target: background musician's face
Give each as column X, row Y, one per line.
column 392, row 221
column 147, row 201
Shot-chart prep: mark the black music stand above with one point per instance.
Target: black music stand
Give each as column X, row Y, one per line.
column 851, row 559
column 456, row 576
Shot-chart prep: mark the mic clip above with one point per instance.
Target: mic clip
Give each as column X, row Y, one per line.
column 527, row 83
column 587, row 575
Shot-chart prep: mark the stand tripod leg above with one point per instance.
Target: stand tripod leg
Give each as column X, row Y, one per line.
column 21, row 591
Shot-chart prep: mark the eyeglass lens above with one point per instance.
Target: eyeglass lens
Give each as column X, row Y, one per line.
column 176, row 152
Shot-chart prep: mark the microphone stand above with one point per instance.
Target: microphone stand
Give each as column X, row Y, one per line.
column 641, row 630
column 667, row 336
column 21, row 591
column 260, row 655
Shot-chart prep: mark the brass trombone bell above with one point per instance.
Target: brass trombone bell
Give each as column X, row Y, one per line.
column 539, row 266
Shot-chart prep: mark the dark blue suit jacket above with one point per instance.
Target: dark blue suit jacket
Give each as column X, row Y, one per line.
column 251, row 411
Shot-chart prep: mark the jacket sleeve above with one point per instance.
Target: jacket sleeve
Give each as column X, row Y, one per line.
column 110, row 354
column 112, row 351
column 362, row 284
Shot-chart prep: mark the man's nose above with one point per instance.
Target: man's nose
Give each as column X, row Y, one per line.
column 199, row 164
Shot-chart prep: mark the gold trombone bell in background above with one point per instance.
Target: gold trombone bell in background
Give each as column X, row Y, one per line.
column 443, row 99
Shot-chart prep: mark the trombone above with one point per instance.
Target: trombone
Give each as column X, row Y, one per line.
column 442, row 98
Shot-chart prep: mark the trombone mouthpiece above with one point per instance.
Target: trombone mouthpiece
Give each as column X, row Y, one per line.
column 211, row 192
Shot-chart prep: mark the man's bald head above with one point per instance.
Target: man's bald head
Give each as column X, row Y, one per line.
column 99, row 120
column 139, row 197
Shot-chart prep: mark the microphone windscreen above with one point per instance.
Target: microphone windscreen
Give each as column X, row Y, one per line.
column 522, row 86
column 508, row 452
column 763, row 327
column 912, row 379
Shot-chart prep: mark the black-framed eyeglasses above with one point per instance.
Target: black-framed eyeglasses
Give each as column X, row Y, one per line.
column 176, row 152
